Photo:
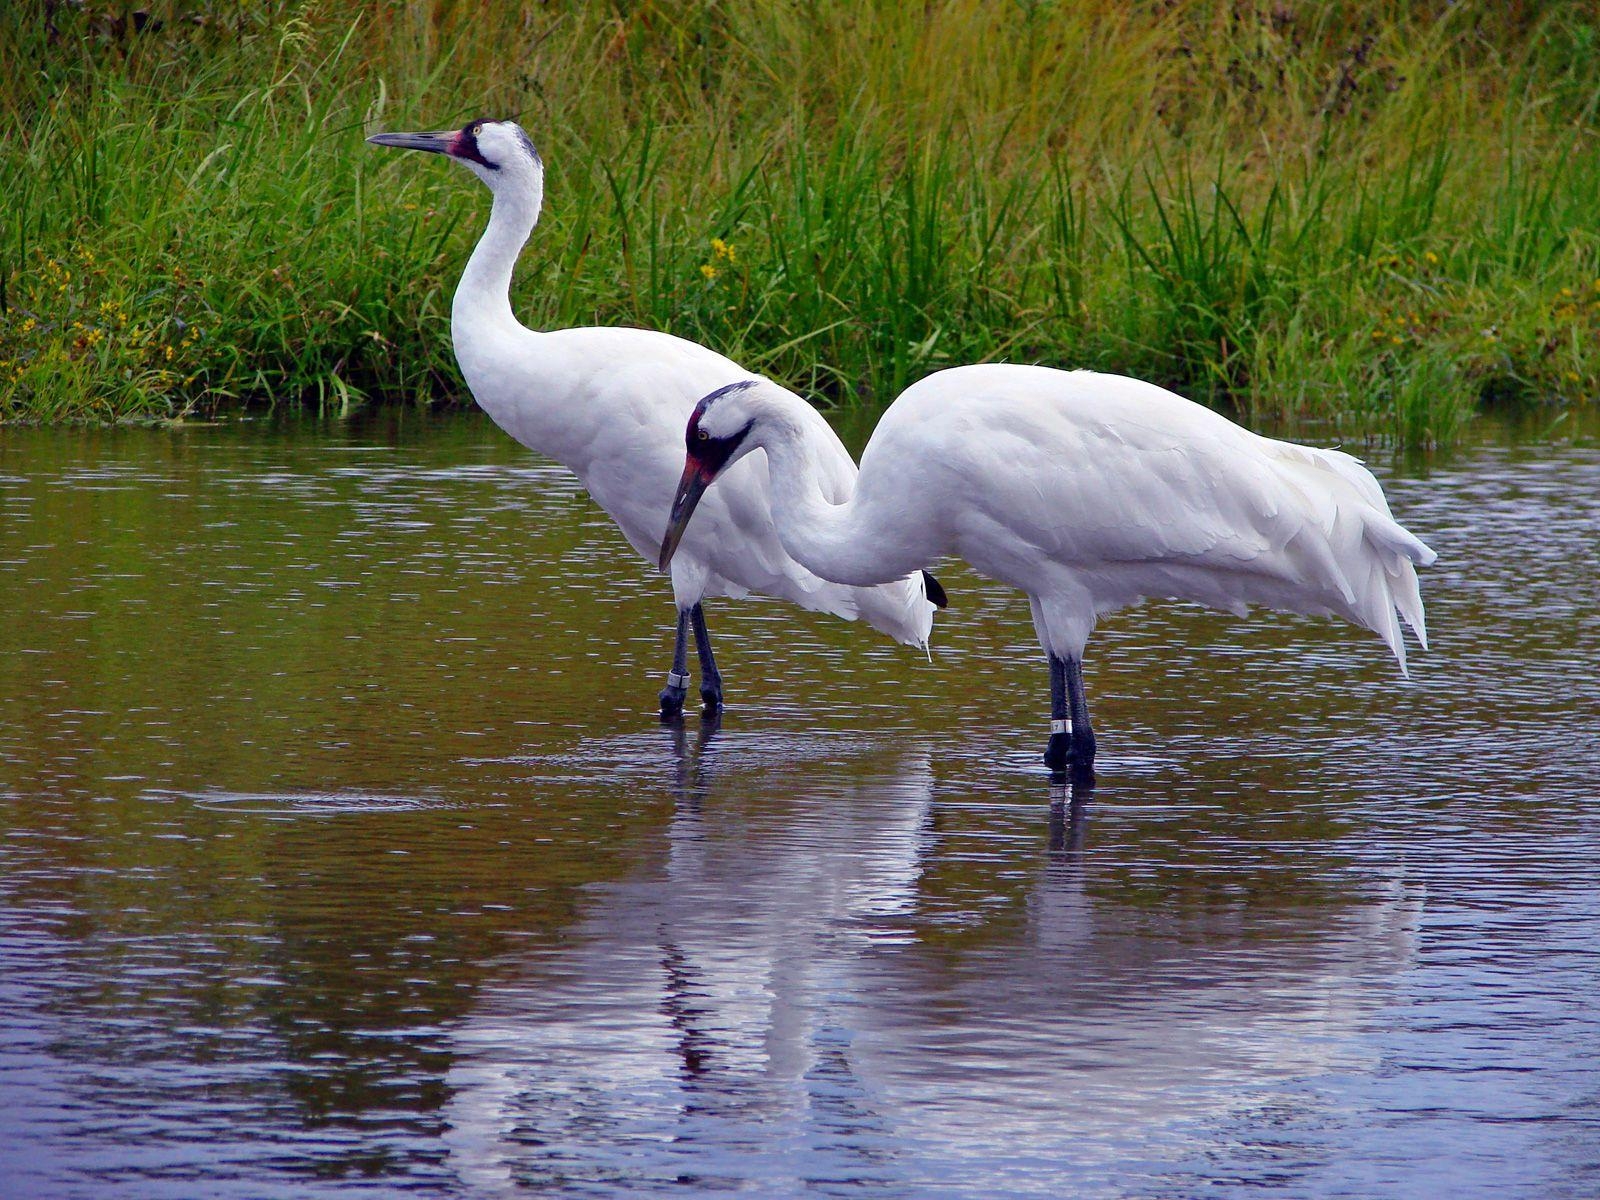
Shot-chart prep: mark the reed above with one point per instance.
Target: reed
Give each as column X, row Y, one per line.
column 1372, row 217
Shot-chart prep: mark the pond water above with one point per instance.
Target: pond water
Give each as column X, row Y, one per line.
column 342, row 853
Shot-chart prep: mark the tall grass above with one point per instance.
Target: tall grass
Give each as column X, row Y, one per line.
column 1377, row 216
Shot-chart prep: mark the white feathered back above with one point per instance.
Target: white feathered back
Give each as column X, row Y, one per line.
column 1096, row 491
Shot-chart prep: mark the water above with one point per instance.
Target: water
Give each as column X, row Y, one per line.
column 342, row 855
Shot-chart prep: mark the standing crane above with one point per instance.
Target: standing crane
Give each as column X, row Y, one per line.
column 1089, row 492
column 609, row 404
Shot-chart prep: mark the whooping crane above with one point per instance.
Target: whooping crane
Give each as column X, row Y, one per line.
column 609, row 405
column 1089, row 492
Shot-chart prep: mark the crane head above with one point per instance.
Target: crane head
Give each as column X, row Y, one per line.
column 717, row 436
column 490, row 149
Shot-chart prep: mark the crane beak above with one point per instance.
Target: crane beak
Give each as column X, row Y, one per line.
column 691, row 487
column 434, row 143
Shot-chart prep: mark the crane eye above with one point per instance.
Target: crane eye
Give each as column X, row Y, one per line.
column 477, row 128
column 703, row 436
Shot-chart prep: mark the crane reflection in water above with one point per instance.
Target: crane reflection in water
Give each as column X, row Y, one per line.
column 811, row 989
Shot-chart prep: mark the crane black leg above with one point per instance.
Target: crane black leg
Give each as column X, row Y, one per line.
column 1059, row 750
column 1082, row 732
column 1071, row 748
column 678, row 677
column 710, row 677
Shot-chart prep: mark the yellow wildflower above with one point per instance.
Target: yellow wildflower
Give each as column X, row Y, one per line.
column 722, row 250
column 708, row 270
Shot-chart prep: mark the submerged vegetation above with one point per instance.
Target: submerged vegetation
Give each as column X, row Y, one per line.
column 1380, row 215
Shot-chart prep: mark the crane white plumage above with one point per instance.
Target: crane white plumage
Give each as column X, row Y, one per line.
column 1089, row 492
column 609, row 403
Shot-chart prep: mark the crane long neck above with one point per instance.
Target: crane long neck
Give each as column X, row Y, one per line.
column 483, row 297
column 850, row 543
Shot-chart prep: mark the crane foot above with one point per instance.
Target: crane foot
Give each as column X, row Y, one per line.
column 1059, row 752
column 1072, row 761
column 672, row 697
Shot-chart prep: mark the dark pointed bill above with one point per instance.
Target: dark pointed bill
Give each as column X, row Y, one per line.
column 690, row 488
column 434, row 143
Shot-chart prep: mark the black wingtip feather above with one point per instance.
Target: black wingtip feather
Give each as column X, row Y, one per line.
column 934, row 591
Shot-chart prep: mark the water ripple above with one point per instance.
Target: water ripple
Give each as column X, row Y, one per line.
column 342, row 853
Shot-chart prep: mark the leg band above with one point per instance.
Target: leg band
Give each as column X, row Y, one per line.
column 1057, row 725
column 677, row 679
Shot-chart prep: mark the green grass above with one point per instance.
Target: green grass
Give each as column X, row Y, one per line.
column 1379, row 218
